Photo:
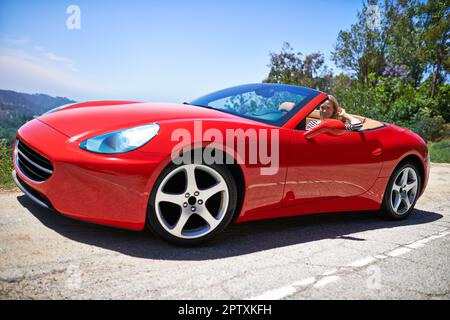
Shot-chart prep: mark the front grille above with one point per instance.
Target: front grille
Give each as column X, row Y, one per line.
column 32, row 164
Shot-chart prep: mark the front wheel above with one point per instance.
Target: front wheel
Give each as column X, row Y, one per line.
column 402, row 192
column 192, row 203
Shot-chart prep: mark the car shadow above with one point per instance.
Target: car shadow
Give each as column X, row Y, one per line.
column 238, row 239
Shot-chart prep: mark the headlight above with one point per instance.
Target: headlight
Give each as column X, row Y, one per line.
column 121, row 141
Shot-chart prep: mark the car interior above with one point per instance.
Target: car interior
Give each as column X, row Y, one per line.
column 368, row 124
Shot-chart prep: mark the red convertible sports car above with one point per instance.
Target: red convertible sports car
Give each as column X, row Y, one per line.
column 130, row 165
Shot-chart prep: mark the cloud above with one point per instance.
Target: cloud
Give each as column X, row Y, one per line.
column 19, row 41
column 55, row 58
column 32, row 68
column 43, row 72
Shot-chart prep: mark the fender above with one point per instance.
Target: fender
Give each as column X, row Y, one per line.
column 424, row 166
column 192, row 147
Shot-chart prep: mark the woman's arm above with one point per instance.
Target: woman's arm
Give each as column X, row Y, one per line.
column 351, row 123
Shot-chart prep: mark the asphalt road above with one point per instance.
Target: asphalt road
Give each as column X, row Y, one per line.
column 328, row 256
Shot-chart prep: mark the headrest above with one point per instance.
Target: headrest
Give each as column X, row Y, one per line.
column 286, row 106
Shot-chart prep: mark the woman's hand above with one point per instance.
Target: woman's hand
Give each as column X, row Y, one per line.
column 351, row 123
column 344, row 115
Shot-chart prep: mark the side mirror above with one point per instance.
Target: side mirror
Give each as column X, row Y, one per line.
column 329, row 126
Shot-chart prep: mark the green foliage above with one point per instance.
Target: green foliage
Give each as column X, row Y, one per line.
column 412, row 34
column 397, row 70
column 393, row 101
column 440, row 151
column 290, row 67
column 434, row 23
column 17, row 108
column 6, row 166
column 362, row 49
column 442, row 102
column 428, row 126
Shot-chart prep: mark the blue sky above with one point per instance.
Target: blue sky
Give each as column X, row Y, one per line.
column 157, row 50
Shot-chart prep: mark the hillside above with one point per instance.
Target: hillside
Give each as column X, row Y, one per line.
column 16, row 108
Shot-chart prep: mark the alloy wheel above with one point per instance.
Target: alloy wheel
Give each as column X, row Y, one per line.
column 404, row 191
column 191, row 201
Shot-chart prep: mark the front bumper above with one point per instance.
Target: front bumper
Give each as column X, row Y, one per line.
column 105, row 189
column 30, row 192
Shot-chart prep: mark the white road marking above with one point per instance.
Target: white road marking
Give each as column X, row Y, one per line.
column 276, row 294
column 329, row 277
column 305, row 282
column 439, row 235
column 362, row 262
column 324, row 281
column 284, row 291
column 415, row 245
column 398, row 252
column 329, row 272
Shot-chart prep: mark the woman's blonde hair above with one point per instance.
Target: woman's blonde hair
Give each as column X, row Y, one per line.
column 337, row 108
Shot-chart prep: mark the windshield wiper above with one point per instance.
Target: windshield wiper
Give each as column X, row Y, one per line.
column 212, row 108
column 199, row 105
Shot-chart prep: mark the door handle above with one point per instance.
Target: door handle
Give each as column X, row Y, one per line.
column 377, row 152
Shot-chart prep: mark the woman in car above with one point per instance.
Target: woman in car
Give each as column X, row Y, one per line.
column 330, row 109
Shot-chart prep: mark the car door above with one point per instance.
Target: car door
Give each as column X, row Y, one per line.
column 327, row 167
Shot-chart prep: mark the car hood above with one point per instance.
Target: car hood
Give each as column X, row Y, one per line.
column 87, row 121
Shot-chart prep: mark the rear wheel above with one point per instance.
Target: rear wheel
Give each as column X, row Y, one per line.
column 190, row 204
column 401, row 193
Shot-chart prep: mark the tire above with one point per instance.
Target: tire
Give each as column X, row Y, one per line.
column 401, row 195
column 188, row 215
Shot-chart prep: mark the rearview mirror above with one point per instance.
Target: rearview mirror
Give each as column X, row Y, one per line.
column 329, row 126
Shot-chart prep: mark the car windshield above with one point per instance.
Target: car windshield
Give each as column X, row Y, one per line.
column 269, row 103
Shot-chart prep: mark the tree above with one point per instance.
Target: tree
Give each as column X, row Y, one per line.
column 435, row 24
column 409, row 34
column 290, row 67
column 394, row 65
column 404, row 38
column 362, row 50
